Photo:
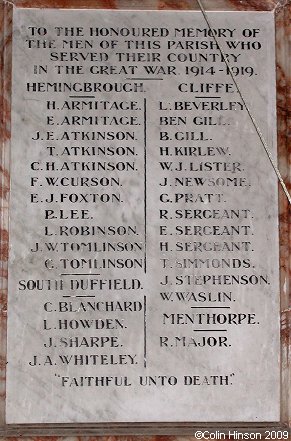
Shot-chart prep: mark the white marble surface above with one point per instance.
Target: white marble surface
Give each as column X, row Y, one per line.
column 144, row 343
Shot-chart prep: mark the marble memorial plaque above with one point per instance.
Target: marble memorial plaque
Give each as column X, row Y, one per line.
column 143, row 263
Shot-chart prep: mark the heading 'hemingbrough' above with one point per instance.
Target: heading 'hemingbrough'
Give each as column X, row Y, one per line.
column 84, row 87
